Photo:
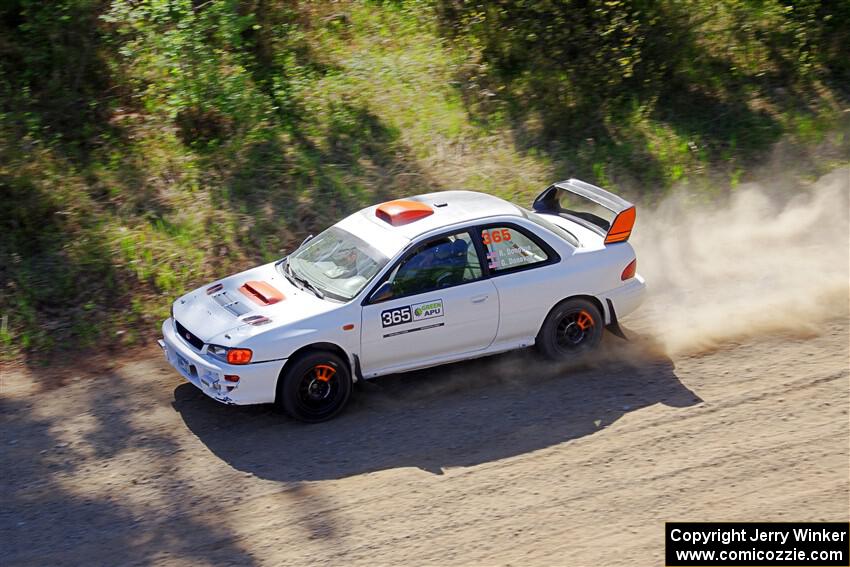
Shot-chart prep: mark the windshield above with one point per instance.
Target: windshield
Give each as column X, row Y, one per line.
column 337, row 263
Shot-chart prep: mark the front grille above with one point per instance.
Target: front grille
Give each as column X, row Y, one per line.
column 188, row 336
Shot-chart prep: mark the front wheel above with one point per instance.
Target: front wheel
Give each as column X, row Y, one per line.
column 573, row 327
column 315, row 387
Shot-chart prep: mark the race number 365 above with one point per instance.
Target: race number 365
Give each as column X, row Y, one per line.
column 496, row 235
column 396, row 316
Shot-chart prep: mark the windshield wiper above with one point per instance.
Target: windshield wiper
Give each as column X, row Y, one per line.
column 319, row 293
column 294, row 278
column 287, row 273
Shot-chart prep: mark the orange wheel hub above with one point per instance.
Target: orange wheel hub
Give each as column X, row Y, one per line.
column 324, row 372
column 584, row 320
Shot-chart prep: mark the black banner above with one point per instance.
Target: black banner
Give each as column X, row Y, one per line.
column 757, row 544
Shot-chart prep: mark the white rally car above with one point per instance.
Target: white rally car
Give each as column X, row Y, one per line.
column 410, row 284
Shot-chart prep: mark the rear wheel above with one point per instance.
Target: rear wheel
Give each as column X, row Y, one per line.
column 573, row 327
column 314, row 387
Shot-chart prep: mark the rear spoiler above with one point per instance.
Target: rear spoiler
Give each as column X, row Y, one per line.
column 558, row 199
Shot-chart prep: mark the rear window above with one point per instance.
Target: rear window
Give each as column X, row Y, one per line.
column 509, row 248
column 551, row 227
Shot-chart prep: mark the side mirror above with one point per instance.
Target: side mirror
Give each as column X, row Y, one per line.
column 383, row 293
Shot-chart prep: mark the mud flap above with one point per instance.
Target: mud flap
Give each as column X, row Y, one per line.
column 614, row 326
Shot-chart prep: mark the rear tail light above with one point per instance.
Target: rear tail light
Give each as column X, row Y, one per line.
column 630, row 270
column 239, row 356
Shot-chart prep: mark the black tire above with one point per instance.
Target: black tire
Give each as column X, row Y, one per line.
column 314, row 387
column 573, row 328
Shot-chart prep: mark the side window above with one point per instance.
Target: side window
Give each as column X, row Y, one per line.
column 444, row 262
column 509, row 248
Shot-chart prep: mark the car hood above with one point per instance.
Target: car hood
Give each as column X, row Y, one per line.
column 220, row 313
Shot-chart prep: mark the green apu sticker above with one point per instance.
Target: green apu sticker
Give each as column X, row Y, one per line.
column 427, row 310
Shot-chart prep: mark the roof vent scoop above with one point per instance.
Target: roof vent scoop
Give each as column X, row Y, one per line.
column 402, row 212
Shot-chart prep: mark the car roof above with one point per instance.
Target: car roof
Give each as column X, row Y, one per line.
column 450, row 207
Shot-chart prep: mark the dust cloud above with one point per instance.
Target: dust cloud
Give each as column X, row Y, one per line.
column 759, row 263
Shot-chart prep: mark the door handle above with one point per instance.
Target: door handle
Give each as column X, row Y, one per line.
column 480, row 298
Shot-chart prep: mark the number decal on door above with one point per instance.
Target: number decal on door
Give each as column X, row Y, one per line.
column 411, row 313
column 397, row 316
column 495, row 236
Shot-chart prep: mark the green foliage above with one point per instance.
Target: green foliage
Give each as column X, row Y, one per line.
column 187, row 60
column 712, row 75
column 148, row 146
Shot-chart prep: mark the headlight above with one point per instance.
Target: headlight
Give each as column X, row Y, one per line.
column 219, row 352
column 230, row 355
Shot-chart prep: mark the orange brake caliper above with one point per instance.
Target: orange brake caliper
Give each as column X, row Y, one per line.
column 584, row 321
column 324, row 372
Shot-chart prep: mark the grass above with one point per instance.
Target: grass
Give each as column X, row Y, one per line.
column 170, row 148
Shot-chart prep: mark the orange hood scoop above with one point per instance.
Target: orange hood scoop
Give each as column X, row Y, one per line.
column 261, row 293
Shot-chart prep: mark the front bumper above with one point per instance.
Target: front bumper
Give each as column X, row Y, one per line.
column 257, row 381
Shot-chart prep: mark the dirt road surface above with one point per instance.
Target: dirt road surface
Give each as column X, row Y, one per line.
column 493, row 462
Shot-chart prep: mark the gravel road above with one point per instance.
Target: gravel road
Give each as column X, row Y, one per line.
column 493, row 462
